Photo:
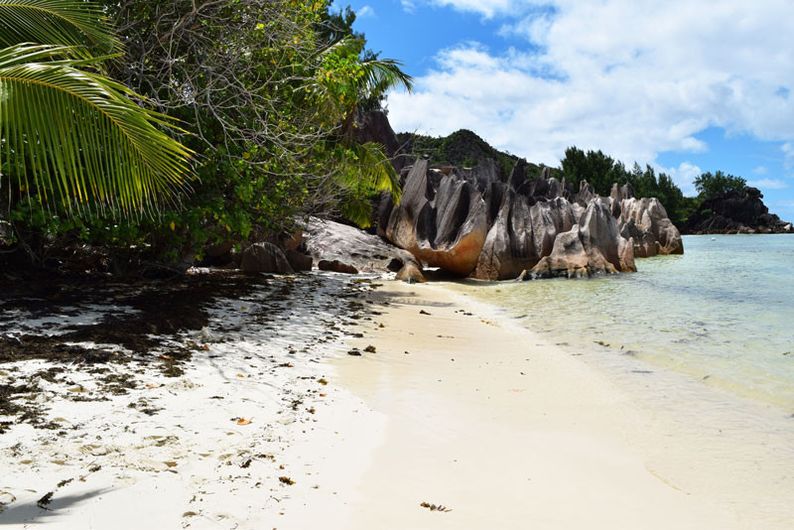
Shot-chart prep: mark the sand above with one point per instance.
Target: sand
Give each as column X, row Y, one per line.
column 458, row 407
column 506, row 430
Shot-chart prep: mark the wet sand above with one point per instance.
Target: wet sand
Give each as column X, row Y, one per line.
column 461, row 408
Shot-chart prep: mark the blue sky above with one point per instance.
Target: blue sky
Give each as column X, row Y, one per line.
column 682, row 85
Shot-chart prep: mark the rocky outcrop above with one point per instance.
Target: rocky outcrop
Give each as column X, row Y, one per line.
column 298, row 261
column 736, row 212
column 411, row 273
column 265, row 257
column 329, row 240
column 374, row 126
column 441, row 219
column 336, row 266
column 646, row 222
column 475, row 223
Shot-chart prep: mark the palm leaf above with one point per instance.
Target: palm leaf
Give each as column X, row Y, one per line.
column 380, row 75
column 67, row 22
column 77, row 138
column 366, row 172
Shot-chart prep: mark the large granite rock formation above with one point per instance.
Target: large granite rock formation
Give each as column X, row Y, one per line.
column 332, row 241
column 646, row 222
column 265, row 257
column 441, row 219
column 736, row 212
column 475, row 223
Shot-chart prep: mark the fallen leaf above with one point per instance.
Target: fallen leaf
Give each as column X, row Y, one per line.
column 435, row 507
column 243, row 421
column 286, row 480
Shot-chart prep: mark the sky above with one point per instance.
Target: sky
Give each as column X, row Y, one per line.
column 686, row 86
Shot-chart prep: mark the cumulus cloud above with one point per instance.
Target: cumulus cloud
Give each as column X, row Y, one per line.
column 788, row 155
column 633, row 78
column 684, row 176
column 768, row 184
column 366, row 11
column 408, row 6
column 487, row 8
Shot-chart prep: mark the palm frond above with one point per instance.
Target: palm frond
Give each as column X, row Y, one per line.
column 66, row 22
column 381, row 75
column 367, row 172
column 78, row 139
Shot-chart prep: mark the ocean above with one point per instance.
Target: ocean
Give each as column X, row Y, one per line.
column 721, row 314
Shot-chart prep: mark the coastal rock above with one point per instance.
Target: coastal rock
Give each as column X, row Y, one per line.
column 737, row 211
column 521, row 235
column 298, row 261
column 329, row 240
column 374, row 126
column 441, row 219
column 336, row 266
column 410, row 273
column 646, row 221
column 265, row 257
column 475, row 222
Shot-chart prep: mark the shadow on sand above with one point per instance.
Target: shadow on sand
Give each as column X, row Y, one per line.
column 32, row 513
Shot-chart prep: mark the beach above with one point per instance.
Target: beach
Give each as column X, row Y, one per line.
column 507, row 430
column 447, row 414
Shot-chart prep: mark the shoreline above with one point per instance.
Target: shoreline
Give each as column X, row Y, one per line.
column 273, row 425
column 517, row 432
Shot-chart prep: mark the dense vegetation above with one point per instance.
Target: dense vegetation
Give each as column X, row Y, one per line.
column 260, row 96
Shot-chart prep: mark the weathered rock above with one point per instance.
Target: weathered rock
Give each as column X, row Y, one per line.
column 329, row 240
column 646, row 221
column 410, row 273
column 445, row 225
column 336, row 266
column 736, row 212
column 265, row 257
column 374, row 126
column 521, row 235
column 592, row 247
column 298, row 261
column 474, row 222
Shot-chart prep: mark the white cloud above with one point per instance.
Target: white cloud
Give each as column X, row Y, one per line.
column 788, row 155
column 760, row 170
column 487, row 8
column 768, row 184
column 366, row 11
column 684, row 176
column 634, row 78
column 408, row 6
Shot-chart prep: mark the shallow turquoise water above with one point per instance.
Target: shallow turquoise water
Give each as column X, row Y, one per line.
column 722, row 313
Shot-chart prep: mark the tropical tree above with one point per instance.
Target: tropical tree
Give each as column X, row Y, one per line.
column 710, row 184
column 355, row 81
column 71, row 138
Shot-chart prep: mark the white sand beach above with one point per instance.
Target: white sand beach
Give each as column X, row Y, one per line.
column 457, row 407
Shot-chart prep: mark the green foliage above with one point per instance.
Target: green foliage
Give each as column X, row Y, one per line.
column 598, row 169
column 76, row 138
column 72, row 139
column 462, row 148
column 710, row 184
column 66, row 22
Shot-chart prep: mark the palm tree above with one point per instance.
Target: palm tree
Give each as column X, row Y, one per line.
column 69, row 135
column 365, row 169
